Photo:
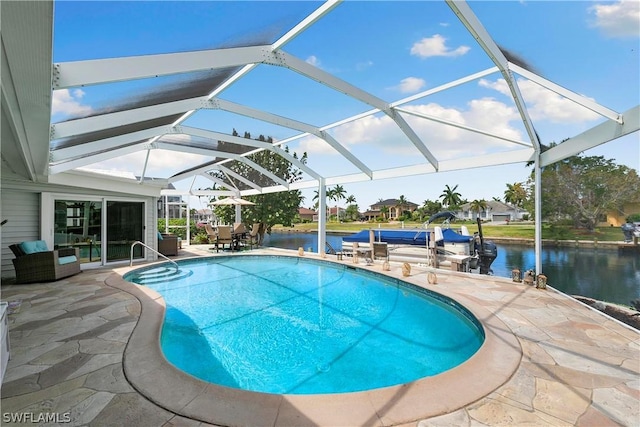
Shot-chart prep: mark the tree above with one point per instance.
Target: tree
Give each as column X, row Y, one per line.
column 430, row 208
column 271, row 208
column 583, row 189
column 450, row 197
column 515, row 194
column 401, row 203
column 336, row 194
column 478, row 206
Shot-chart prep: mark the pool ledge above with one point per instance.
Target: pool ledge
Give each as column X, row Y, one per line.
column 148, row 371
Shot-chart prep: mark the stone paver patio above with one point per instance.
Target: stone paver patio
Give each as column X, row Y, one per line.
column 73, row 357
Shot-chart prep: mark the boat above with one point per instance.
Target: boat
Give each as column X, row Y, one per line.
column 457, row 250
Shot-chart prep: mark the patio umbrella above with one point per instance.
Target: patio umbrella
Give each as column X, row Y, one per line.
column 231, row 201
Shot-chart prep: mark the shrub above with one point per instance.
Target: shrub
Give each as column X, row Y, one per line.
column 634, row 217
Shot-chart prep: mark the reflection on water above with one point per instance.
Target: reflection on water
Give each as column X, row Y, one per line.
column 600, row 274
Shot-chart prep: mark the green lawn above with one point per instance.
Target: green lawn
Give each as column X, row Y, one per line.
column 514, row 230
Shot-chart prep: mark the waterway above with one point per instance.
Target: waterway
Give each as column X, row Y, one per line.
column 602, row 274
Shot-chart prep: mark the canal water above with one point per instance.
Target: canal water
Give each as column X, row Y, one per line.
column 602, row 274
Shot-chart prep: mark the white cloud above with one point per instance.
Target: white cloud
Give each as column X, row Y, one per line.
column 68, row 103
column 313, row 60
column 411, row 84
column 544, row 104
column 620, row 19
column 435, row 46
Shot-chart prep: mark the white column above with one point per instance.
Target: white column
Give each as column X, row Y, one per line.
column 538, row 213
column 322, row 216
column 188, row 220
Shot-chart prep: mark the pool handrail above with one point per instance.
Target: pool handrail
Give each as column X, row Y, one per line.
column 137, row 242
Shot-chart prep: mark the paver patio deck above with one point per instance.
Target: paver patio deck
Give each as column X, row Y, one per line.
column 69, row 350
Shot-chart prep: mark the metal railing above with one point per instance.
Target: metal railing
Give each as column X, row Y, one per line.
column 153, row 250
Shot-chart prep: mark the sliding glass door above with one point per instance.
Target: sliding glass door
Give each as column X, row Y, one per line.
column 78, row 224
column 125, row 225
column 103, row 229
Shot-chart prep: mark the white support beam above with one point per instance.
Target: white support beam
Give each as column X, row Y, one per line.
column 95, row 158
column 578, row 99
column 445, row 86
column 211, row 193
column 286, row 60
column 293, row 124
column 322, row 214
column 263, row 116
column 219, row 136
column 522, row 155
column 296, row 162
column 321, row 11
column 599, row 134
column 238, row 177
column 219, row 182
column 122, row 118
column 214, row 153
column 477, row 30
column 461, row 126
column 95, row 71
column 414, row 138
column 89, row 148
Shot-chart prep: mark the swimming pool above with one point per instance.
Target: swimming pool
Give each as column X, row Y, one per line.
column 299, row 326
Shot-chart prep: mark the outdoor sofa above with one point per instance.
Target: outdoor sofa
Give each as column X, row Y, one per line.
column 34, row 262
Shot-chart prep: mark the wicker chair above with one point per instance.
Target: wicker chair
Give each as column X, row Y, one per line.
column 44, row 266
column 168, row 245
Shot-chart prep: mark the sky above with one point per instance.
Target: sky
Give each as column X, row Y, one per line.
column 392, row 50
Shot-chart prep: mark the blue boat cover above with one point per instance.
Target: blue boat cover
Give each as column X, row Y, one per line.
column 405, row 237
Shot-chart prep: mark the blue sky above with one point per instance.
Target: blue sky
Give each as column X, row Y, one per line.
column 392, row 50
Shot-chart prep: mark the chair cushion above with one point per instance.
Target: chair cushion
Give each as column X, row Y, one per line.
column 67, row 259
column 160, row 236
column 34, row 246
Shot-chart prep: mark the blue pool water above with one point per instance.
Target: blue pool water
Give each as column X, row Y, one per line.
column 289, row 325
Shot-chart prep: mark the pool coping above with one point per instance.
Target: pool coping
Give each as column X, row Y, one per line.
column 149, row 372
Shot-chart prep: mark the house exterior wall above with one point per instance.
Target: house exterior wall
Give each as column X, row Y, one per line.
column 616, row 218
column 20, row 206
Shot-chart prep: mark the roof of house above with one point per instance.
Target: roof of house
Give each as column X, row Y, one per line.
column 306, row 211
column 393, row 203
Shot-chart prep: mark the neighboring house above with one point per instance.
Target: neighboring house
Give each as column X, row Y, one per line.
column 307, row 214
column 394, row 209
column 495, row 211
column 617, row 218
column 204, row 215
column 371, row 215
column 172, row 204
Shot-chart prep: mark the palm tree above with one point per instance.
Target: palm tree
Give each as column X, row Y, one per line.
column 384, row 210
column 515, row 194
column 337, row 193
column 401, row 203
column 478, row 206
column 350, row 200
column 450, row 197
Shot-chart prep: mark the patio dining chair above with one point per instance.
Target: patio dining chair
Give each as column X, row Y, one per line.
column 224, row 237
column 253, row 237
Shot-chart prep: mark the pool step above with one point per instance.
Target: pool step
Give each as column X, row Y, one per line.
column 161, row 275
